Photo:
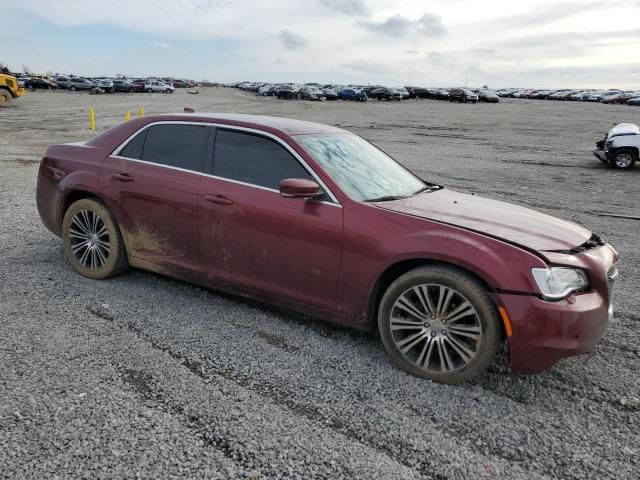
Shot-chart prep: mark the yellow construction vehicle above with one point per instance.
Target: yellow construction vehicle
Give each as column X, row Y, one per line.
column 9, row 89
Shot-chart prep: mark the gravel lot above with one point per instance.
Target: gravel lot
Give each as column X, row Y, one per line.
column 145, row 377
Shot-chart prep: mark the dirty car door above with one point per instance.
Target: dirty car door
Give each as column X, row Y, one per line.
column 252, row 236
column 151, row 185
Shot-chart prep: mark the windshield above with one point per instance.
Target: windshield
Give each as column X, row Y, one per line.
column 364, row 172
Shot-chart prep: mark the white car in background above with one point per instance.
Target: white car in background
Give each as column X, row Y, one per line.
column 154, row 86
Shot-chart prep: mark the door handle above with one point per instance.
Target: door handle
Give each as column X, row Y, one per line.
column 219, row 199
column 123, row 177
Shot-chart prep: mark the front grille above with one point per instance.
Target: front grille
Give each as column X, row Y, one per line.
column 612, row 275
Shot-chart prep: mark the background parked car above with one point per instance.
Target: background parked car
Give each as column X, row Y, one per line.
column 403, row 91
column 354, row 95
column 39, row 83
column 285, row 91
column 330, row 94
column 103, row 84
column 385, row 93
column 79, row 83
column 488, row 96
column 152, row 86
column 311, row 93
column 462, row 95
column 120, row 85
column 634, row 101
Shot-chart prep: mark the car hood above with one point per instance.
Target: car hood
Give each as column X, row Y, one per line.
column 514, row 224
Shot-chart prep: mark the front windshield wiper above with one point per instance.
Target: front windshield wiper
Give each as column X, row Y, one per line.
column 386, row 198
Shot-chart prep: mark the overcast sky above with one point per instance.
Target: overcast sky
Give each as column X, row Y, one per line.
column 538, row 43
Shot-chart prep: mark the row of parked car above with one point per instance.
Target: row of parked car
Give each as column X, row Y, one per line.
column 361, row 93
column 614, row 96
column 103, row 84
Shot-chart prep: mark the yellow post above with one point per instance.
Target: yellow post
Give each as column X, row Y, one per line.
column 141, row 112
column 127, row 116
column 92, row 119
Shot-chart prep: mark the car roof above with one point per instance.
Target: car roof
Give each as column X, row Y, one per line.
column 288, row 126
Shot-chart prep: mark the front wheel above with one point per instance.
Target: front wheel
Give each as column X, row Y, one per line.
column 92, row 240
column 624, row 159
column 5, row 97
column 438, row 323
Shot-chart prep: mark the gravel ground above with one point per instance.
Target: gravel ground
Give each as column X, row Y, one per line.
column 145, row 377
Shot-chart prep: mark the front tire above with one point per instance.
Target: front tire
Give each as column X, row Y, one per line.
column 438, row 323
column 92, row 240
column 624, row 159
column 5, row 97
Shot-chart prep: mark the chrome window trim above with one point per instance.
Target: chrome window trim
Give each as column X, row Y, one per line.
column 271, row 136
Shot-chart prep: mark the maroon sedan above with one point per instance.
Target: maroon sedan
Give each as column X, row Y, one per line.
column 316, row 219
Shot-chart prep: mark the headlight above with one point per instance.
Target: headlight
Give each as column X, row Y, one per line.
column 556, row 283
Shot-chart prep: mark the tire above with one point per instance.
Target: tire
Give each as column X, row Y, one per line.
column 477, row 334
column 168, row 90
column 624, row 159
column 95, row 261
column 131, row 90
column 5, row 97
column 149, row 90
column 30, row 87
column 72, row 88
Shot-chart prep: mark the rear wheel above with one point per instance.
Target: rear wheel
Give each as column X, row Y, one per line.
column 624, row 159
column 149, row 90
column 168, row 90
column 72, row 88
column 92, row 240
column 438, row 323
column 5, row 97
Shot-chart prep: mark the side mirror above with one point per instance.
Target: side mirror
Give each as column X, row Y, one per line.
column 299, row 188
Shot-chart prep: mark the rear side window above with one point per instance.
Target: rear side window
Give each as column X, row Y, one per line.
column 254, row 159
column 177, row 145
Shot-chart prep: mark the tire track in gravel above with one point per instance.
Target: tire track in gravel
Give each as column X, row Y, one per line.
column 198, row 369
column 412, row 459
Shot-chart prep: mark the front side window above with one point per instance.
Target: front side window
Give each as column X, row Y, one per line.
column 254, row 159
column 364, row 172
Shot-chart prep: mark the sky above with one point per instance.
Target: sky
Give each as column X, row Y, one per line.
column 537, row 44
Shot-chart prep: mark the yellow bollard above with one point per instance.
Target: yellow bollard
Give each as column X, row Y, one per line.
column 141, row 112
column 92, row 119
column 127, row 116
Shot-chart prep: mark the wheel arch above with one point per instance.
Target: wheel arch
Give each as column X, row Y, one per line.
column 399, row 268
column 72, row 196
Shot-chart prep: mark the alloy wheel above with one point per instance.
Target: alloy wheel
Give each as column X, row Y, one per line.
column 623, row 160
column 89, row 239
column 436, row 328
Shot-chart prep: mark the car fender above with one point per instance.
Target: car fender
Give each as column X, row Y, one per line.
column 501, row 265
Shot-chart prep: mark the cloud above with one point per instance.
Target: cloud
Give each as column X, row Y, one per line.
column 428, row 24
column 542, row 15
column 412, row 52
column 292, row 41
column 163, row 45
column 348, row 7
column 366, row 66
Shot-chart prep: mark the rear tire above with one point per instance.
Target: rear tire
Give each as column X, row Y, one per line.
column 92, row 240
column 72, row 88
column 450, row 330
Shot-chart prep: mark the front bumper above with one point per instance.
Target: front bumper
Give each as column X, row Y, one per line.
column 599, row 154
column 545, row 332
column 19, row 92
